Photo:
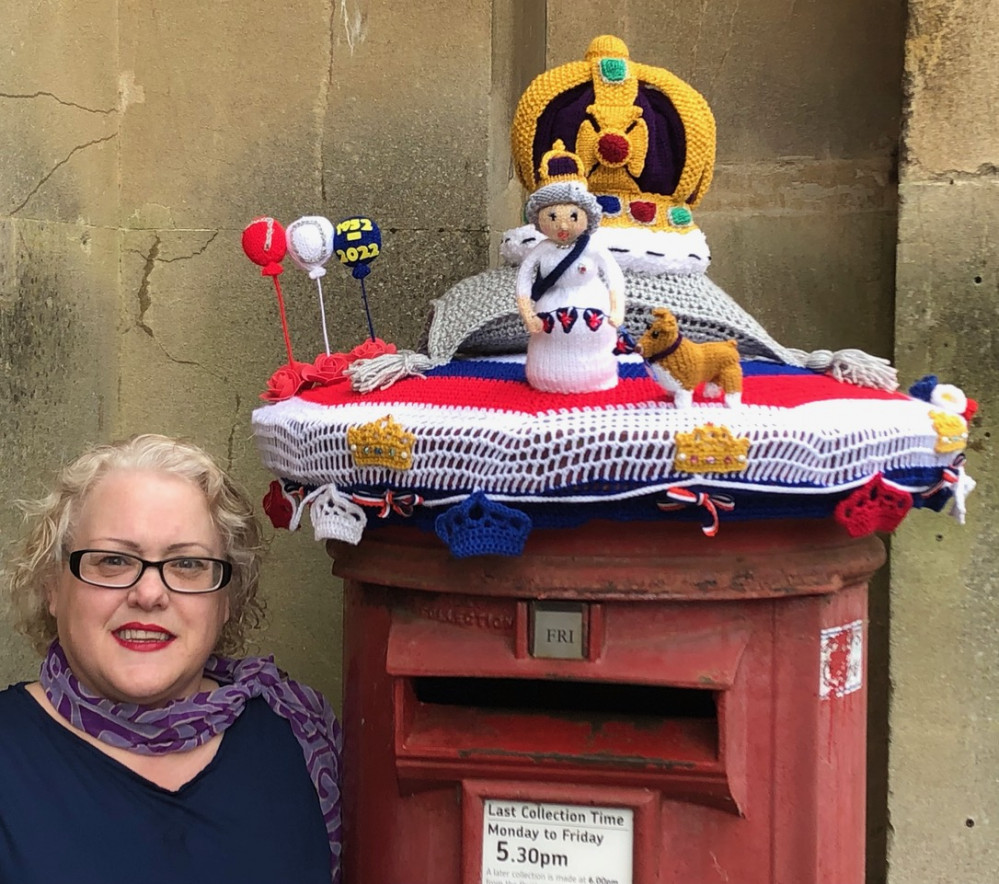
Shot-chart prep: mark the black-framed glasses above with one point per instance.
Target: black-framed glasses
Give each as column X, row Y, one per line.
column 117, row 570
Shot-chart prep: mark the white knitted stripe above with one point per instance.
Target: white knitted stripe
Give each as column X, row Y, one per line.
column 531, row 457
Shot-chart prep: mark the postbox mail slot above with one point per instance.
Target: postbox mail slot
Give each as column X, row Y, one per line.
column 593, row 699
column 624, row 724
column 657, row 702
column 625, row 734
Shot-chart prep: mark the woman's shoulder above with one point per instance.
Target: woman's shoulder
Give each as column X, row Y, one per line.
column 15, row 701
column 26, row 730
column 10, row 693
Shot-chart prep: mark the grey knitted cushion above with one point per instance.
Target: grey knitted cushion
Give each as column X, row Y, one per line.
column 479, row 315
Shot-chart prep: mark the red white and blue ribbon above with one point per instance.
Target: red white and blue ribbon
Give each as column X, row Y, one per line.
column 961, row 484
column 949, row 477
column 390, row 502
column 679, row 498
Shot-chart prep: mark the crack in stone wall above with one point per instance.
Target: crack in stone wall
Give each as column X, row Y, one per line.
column 41, row 183
column 145, row 301
column 16, row 96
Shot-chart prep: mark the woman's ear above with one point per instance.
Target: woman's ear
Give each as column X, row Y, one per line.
column 51, row 594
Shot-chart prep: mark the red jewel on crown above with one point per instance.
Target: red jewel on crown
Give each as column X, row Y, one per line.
column 613, row 148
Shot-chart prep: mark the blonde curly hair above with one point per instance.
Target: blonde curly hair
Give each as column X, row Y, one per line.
column 49, row 522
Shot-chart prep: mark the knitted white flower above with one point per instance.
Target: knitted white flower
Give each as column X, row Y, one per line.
column 949, row 398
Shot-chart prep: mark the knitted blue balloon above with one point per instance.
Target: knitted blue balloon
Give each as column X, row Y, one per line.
column 357, row 242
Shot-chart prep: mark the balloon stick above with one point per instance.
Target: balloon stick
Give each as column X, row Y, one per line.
column 367, row 312
column 284, row 319
column 322, row 313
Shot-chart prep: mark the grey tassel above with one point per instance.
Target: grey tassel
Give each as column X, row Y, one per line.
column 851, row 366
column 383, row 371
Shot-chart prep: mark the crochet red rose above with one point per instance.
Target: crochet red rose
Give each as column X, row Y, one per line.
column 285, row 382
column 370, row 348
column 327, row 369
column 278, row 508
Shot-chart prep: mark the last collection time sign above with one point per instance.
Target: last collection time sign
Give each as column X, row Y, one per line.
column 529, row 841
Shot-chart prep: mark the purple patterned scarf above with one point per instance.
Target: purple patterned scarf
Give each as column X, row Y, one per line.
column 184, row 724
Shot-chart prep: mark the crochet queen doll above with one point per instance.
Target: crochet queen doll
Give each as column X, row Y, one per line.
column 570, row 291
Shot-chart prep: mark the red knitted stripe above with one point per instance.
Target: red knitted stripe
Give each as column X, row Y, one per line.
column 787, row 391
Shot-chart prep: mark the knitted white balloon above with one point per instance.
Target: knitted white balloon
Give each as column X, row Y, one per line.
column 310, row 244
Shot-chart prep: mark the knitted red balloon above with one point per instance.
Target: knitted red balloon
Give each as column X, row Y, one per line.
column 265, row 243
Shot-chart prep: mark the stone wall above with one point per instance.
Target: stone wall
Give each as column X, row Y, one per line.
column 944, row 758
column 137, row 140
column 60, row 243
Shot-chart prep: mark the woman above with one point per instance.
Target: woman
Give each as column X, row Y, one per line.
column 570, row 294
column 139, row 753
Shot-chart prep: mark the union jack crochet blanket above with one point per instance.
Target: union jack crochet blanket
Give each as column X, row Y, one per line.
column 472, row 432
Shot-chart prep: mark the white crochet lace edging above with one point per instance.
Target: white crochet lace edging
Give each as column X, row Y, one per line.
column 532, row 456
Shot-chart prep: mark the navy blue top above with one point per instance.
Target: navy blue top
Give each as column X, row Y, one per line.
column 68, row 812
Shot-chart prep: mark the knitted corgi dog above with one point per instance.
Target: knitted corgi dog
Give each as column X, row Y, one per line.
column 679, row 365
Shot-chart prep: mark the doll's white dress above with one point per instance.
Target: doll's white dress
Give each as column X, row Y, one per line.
column 574, row 353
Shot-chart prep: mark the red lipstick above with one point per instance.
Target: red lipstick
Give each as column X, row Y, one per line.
column 143, row 636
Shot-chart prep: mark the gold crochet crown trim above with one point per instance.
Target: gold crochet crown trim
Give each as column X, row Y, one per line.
column 711, row 449
column 614, row 140
column 381, row 443
column 951, row 430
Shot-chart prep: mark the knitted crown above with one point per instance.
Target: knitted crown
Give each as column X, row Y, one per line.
column 646, row 139
column 562, row 181
column 479, row 526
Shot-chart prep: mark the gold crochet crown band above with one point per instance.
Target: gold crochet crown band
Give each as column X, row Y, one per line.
column 642, row 138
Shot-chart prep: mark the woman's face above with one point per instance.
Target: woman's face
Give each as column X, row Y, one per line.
column 562, row 223
column 145, row 644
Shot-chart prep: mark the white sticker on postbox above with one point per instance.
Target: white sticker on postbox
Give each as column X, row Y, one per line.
column 528, row 841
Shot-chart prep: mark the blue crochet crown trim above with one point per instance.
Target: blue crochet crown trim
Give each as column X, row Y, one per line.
column 479, row 526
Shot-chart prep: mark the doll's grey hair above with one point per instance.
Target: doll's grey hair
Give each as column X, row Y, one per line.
column 563, row 193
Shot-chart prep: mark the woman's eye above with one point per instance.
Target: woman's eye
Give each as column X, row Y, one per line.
column 112, row 561
column 551, row 216
column 189, row 564
column 574, row 216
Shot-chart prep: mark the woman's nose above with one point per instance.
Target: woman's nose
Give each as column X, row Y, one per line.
column 150, row 591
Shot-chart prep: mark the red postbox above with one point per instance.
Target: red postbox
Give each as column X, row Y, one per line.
column 635, row 704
